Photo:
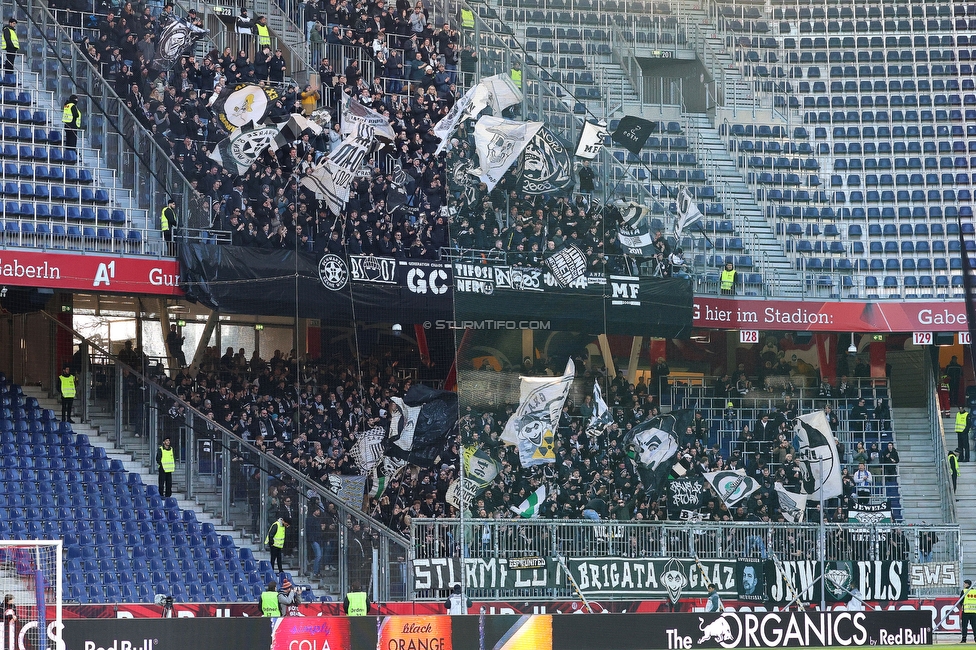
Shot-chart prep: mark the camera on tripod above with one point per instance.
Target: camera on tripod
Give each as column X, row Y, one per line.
column 166, row 602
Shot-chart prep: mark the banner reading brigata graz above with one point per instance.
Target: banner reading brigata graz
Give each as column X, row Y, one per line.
column 602, row 576
column 591, row 303
column 672, row 577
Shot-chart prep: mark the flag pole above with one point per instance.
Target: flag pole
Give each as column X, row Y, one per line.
column 823, row 541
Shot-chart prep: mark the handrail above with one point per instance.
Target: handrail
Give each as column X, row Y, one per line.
column 946, row 499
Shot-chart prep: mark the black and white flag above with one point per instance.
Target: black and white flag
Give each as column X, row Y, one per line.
column 533, row 425
column 591, row 139
column 292, row 130
column 654, row 444
column 238, row 151
column 732, row 486
column 354, row 114
column 176, row 38
column 601, row 418
column 499, row 143
column 688, row 214
column 567, row 265
column 791, row 504
column 237, row 105
column 818, row 457
column 368, row 449
column 634, row 232
column 546, row 166
column 331, row 179
column 632, row 132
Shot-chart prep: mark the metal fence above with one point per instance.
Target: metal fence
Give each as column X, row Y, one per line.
column 504, row 539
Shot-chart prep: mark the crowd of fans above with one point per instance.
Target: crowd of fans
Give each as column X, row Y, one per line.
column 412, row 71
column 313, row 422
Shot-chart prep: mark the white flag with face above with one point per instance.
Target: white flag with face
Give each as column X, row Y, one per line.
column 533, row 425
column 499, row 143
column 403, row 424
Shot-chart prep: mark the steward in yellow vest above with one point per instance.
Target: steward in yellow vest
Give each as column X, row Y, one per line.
column 66, row 385
column 269, row 601
column 356, row 602
column 727, row 280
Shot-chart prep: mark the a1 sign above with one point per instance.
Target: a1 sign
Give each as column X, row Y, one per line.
column 922, row 338
column 965, row 339
column 748, row 336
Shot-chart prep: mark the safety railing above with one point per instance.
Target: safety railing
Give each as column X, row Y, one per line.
column 946, row 498
column 243, row 483
column 515, row 539
column 111, row 129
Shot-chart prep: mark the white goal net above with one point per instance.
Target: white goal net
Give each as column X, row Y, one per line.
column 30, row 585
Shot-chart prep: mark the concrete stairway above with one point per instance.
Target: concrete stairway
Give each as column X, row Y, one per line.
column 920, row 489
column 133, row 463
column 759, row 237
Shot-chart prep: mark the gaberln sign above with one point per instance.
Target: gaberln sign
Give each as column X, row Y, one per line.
column 602, row 576
column 795, row 629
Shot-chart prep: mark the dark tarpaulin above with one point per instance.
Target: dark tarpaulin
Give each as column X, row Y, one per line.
column 234, row 279
column 662, row 309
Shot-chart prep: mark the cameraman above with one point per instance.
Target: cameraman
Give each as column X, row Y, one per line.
column 288, row 597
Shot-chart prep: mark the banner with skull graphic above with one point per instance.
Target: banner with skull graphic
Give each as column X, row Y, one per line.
column 546, row 165
column 654, row 444
column 176, row 39
column 499, row 143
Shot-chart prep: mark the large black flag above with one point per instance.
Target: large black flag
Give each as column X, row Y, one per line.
column 632, row 133
column 546, row 165
column 422, row 426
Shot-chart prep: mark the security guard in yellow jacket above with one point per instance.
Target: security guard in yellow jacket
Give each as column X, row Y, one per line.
column 68, row 390
column 263, row 32
column 728, row 279
column 356, row 602
column 968, row 609
column 269, row 601
column 71, row 118
column 11, row 44
column 963, row 425
column 167, row 220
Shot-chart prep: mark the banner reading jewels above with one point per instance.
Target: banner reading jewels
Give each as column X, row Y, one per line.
column 594, row 576
column 594, row 303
